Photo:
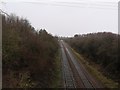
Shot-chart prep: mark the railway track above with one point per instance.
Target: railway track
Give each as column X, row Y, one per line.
column 74, row 73
column 67, row 72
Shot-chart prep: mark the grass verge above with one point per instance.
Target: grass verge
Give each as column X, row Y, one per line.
column 57, row 80
column 108, row 83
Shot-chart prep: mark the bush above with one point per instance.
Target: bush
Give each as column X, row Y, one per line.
column 28, row 55
column 101, row 48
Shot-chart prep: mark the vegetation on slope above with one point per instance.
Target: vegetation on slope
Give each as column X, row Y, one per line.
column 29, row 57
column 102, row 49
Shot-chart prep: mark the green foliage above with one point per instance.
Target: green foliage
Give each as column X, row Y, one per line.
column 101, row 48
column 27, row 51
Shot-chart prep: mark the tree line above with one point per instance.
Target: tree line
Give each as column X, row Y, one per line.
column 28, row 55
column 101, row 48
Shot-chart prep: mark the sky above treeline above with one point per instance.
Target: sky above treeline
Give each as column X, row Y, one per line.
column 67, row 17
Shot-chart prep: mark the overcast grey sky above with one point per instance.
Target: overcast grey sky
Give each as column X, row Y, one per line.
column 67, row 17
